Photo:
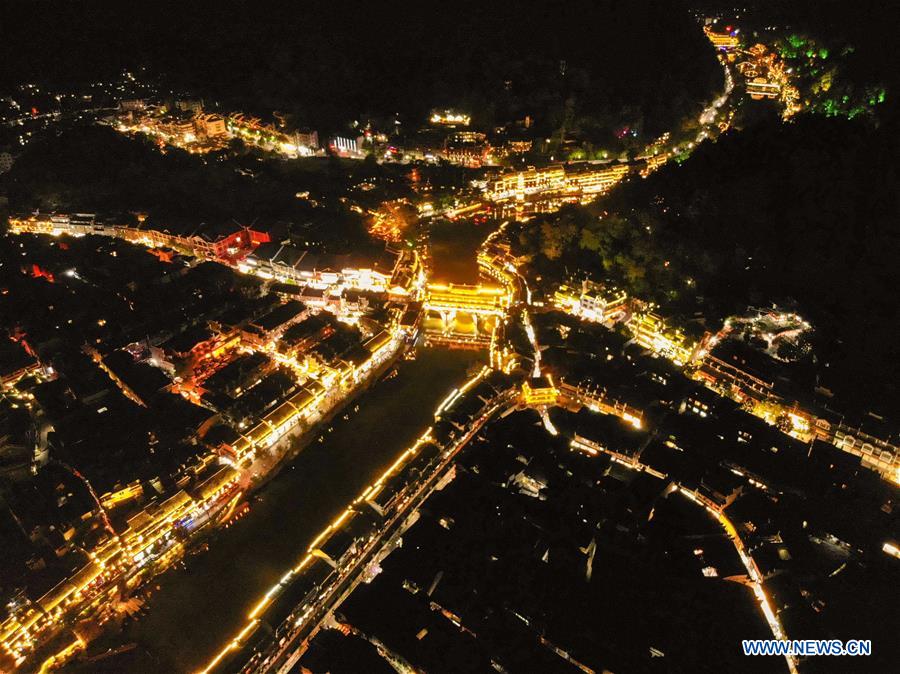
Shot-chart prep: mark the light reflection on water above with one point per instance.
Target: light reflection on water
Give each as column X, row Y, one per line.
column 200, row 607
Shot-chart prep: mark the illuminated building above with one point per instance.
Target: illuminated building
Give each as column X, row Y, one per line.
column 345, row 147
column 592, row 301
column 307, row 138
column 211, row 126
column 254, row 131
column 275, row 260
column 653, row 163
column 566, row 297
column 601, row 300
column 722, row 40
column 6, row 162
column 18, row 448
column 179, row 129
column 195, row 344
column 408, row 275
column 377, row 342
column 54, row 225
column 519, row 146
column 651, row 331
column 449, row 118
column 478, row 299
column 137, row 382
column 148, row 542
column 496, row 261
column 598, row 400
column 590, row 179
column 571, row 179
column 133, row 105
column 302, row 336
column 738, row 371
column 409, row 322
column 759, row 88
column 539, row 391
column 189, row 105
column 877, row 453
column 288, row 263
column 466, row 148
column 227, row 244
column 745, row 375
column 222, row 245
column 315, row 297
column 127, row 493
column 368, row 273
column 16, row 362
column 275, row 425
column 530, row 181
column 767, row 78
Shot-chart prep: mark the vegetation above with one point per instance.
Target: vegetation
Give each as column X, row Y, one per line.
column 96, row 169
column 585, row 67
column 824, row 75
column 806, row 212
column 836, row 50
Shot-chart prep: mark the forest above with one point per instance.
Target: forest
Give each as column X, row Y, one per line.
column 805, row 214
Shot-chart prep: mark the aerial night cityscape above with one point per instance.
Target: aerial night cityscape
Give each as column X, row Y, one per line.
column 414, row 337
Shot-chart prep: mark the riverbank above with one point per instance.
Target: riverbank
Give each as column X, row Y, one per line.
column 297, row 443
column 198, row 607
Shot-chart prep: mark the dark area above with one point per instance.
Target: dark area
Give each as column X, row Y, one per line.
column 805, row 214
column 587, row 65
column 494, row 572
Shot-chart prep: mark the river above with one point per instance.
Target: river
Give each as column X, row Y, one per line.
column 454, row 246
column 198, row 608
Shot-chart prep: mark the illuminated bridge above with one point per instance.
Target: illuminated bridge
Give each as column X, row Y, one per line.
column 463, row 315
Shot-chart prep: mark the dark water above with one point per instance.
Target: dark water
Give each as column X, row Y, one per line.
column 453, row 250
column 197, row 609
